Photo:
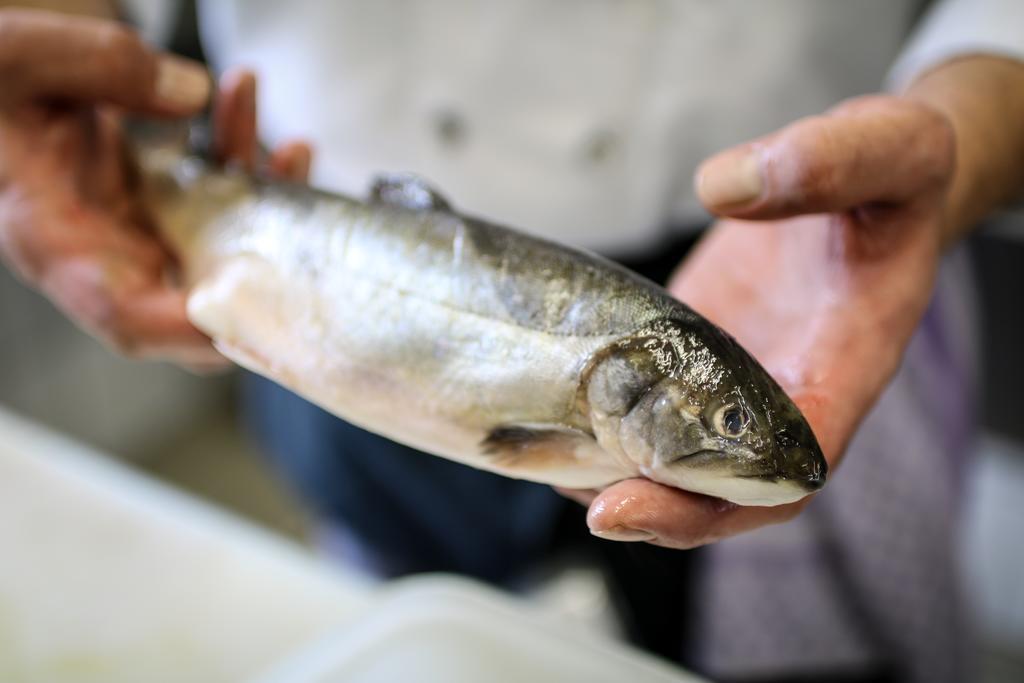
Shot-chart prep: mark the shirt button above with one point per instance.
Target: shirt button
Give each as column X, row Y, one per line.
column 599, row 146
column 450, row 127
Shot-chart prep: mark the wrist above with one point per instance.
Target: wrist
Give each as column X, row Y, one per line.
column 983, row 99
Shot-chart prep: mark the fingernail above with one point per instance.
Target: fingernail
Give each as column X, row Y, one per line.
column 181, row 84
column 730, row 179
column 622, row 533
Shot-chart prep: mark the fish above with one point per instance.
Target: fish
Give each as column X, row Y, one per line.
column 473, row 341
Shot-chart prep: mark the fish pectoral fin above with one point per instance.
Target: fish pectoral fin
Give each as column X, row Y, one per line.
column 540, row 446
column 408, row 191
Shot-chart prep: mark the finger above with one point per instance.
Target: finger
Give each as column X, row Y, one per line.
column 639, row 509
column 234, row 119
column 292, row 161
column 137, row 320
column 581, row 496
column 870, row 150
column 49, row 55
column 154, row 324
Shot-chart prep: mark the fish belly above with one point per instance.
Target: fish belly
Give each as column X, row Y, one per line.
column 413, row 368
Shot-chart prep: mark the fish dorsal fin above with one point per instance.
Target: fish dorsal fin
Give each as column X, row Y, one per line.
column 408, row 191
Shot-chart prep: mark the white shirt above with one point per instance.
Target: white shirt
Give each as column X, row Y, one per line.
column 582, row 120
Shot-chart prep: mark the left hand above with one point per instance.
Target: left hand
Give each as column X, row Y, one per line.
column 825, row 290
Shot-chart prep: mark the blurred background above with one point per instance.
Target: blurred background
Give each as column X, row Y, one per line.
column 185, row 430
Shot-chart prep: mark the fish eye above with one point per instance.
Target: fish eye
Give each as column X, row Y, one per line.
column 731, row 420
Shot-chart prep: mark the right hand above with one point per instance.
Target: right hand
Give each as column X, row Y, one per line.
column 71, row 220
column 822, row 265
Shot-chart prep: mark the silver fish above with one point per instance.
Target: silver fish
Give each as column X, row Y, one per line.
column 476, row 342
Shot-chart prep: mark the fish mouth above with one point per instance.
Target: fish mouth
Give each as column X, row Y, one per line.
column 810, row 480
column 714, row 473
column 814, row 482
column 808, row 484
column 711, row 471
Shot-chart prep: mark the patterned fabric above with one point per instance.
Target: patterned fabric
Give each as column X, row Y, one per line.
column 867, row 576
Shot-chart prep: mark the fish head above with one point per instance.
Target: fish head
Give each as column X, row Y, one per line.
column 690, row 408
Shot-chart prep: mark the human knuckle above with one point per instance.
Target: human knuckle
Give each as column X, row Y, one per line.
column 118, row 40
column 811, row 161
column 933, row 141
column 124, row 56
column 941, row 146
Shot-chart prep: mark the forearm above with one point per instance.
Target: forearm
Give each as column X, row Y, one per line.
column 983, row 97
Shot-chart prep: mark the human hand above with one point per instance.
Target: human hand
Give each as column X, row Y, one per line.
column 826, row 290
column 71, row 220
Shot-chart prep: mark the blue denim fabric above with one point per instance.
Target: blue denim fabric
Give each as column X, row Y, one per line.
column 410, row 511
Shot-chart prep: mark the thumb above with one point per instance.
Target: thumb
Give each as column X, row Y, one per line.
column 50, row 55
column 871, row 149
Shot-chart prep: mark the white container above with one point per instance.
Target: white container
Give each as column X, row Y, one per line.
column 448, row 630
column 109, row 577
